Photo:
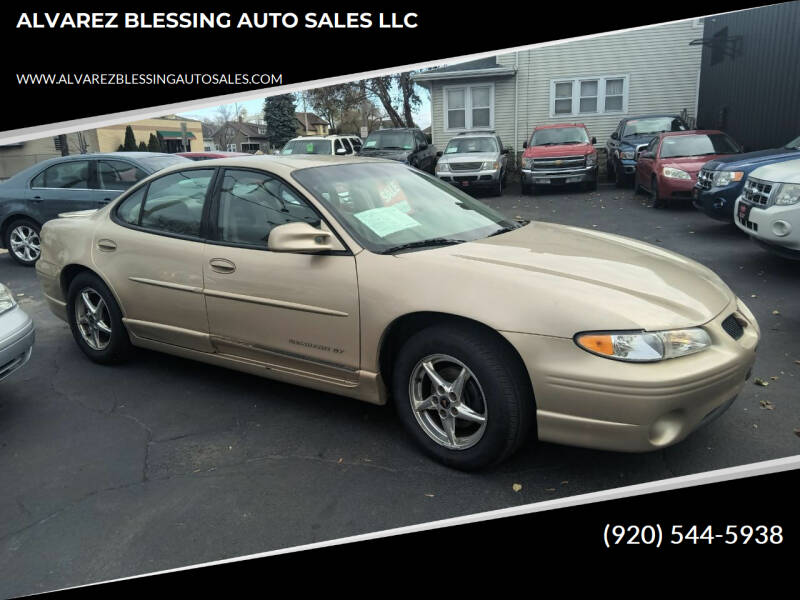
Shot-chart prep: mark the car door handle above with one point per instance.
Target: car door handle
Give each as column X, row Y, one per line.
column 36, row 199
column 222, row 265
column 106, row 245
column 104, row 201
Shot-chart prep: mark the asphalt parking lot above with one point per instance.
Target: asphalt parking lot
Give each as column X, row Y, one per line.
column 107, row 472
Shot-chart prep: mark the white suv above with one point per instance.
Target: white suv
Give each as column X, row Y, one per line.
column 336, row 145
column 769, row 208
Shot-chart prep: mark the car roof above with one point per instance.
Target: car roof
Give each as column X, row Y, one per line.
column 691, row 132
column 281, row 164
column 651, row 116
column 559, row 125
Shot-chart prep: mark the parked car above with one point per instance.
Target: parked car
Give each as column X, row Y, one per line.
column 69, row 183
column 721, row 181
column 211, row 154
column 407, row 145
column 356, row 142
column 631, row 135
column 667, row 168
column 16, row 334
column 474, row 159
column 559, row 154
column 338, row 145
column 381, row 281
column 769, row 208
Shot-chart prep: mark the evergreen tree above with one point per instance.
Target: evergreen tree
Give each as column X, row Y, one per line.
column 130, row 140
column 153, row 145
column 279, row 116
column 142, row 146
column 121, row 148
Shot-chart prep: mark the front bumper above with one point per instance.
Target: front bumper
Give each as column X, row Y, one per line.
column 593, row 402
column 470, row 179
column 16, row 340
column 678, row 189
column 626, row 167
column 761, row 224
column 716, row 202
column 559, row 176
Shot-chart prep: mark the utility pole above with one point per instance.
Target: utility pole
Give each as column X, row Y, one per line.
column 183, row 135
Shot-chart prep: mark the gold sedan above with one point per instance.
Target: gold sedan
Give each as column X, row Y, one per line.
column 373, row 280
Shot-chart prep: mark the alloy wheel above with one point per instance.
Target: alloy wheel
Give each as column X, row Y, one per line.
column 25, row 243
column 448, row 402
column 93, row 319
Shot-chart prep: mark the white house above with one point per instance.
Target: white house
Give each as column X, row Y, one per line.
column 595, row 81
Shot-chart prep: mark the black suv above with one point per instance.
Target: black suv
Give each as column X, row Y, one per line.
column 407, row 145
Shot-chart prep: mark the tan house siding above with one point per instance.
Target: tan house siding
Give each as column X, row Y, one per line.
column 662, row 72
column 110, row 138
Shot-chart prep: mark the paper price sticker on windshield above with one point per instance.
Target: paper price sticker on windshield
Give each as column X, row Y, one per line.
column 386, row 221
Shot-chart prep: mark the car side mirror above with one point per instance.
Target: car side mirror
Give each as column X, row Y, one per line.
column 615, row 136
column 594, row 141
column 505, row 150
column 439, row 154
column 524, row 144
column 645, row 154
column 299, row 237
column 423, row 146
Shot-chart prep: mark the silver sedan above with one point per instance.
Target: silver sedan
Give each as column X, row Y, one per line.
column 16, row 334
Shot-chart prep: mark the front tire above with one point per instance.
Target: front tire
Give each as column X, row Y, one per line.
column 657, row 202
column 463, row 396
column 96, row 320
column 23, row 242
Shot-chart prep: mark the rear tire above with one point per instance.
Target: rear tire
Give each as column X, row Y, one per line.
column 96, row 320
column 610, row 175
column 22, row 239
column 477, row 423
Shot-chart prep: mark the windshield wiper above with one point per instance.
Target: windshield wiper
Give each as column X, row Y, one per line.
column 423, row 244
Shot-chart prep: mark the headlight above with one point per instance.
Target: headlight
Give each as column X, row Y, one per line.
column 674, row 173
column 788, row 193
column 644, row 346
column 442, row 167
column 527, row 163
column 7, row 301
column 591, row 159
column 490, row 165
column 627, row 154
column 725, row 177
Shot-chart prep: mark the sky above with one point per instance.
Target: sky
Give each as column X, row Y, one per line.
column 422, row 115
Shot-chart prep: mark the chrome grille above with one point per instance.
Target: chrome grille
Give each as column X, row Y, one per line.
column 561, row 162
column 465, row 166
column 705, row 179
column 757, row 192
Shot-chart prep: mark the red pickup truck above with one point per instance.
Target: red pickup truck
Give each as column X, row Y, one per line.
column 559, row 154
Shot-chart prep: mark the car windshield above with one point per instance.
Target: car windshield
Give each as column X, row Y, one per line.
column 472, row 144
column 385, row 206
column 794, row 144
column 652, row 125
column 697, row 145
column 389, row 140
column 307, row 147
column 156, row 163
column 559, row 135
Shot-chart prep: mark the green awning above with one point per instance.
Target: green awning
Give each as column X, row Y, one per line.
column 175, row 135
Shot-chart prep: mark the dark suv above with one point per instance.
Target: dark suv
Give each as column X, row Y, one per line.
column 721, row 181
column 408, row 145
column 631, row 135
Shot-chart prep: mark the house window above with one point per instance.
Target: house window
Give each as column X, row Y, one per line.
column 57, row 143
column 262, row 131
column 469, row 107
column 231, row 147
column 251, row 147
column 588, row 95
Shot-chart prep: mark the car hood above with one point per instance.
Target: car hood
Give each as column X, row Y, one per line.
column 781, row 172
column 560, row 150
column 390, row 154
column 690, row 164
column 558, row 280
column 637, row 140
column 468, row 157
column 750, row 160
